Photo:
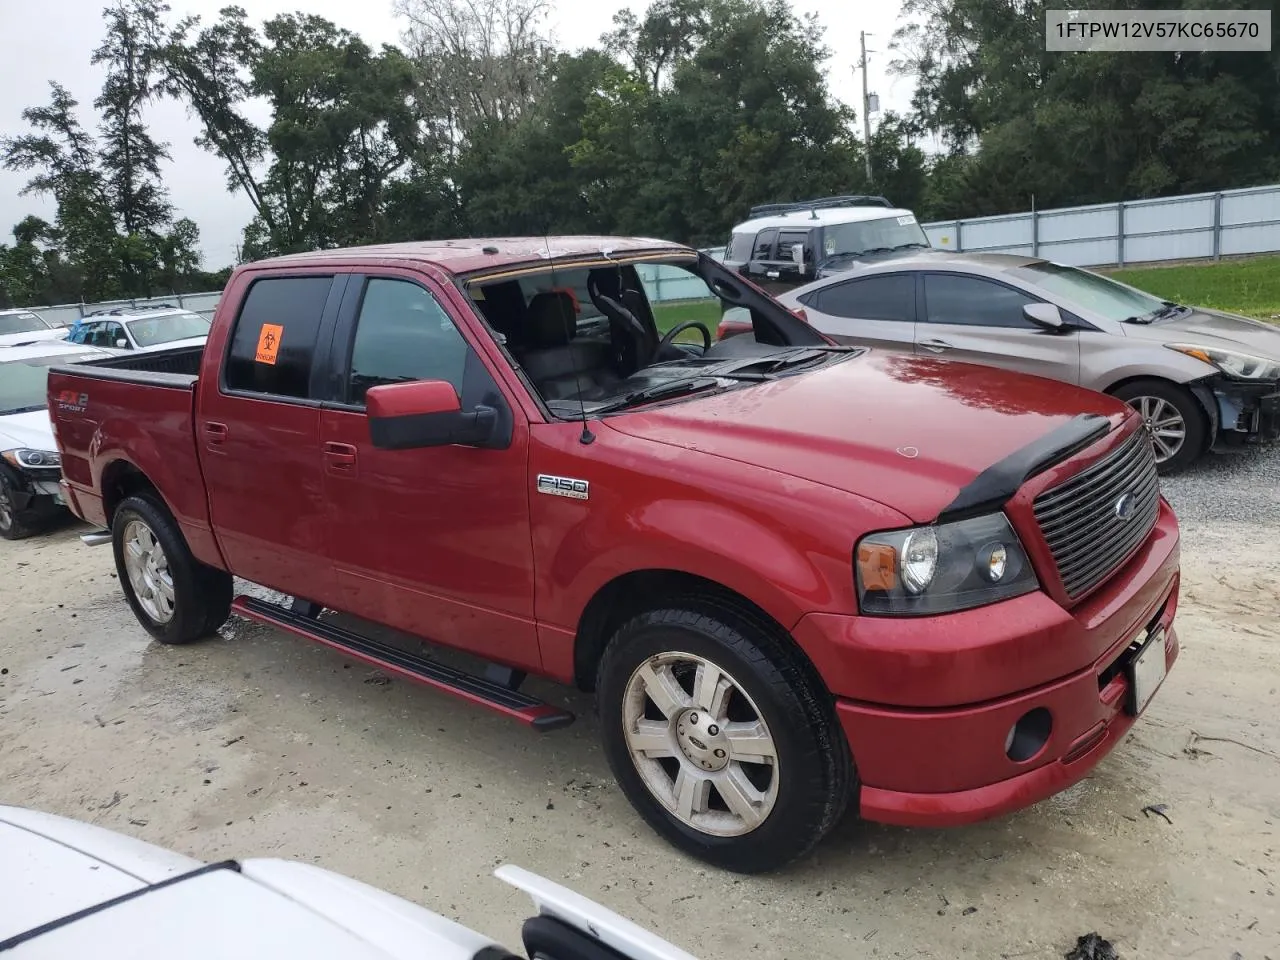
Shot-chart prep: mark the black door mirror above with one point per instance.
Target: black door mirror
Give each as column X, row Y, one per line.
column 424, row 413
column 1045, row 316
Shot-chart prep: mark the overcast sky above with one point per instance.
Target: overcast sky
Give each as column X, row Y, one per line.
column 52, row 40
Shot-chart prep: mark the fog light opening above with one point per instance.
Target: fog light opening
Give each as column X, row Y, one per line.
column 1028, row 736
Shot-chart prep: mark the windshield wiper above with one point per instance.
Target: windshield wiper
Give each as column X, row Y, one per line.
column 661, row 391
column 1169, row 309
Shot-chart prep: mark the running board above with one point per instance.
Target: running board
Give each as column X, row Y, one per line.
column 479, row 690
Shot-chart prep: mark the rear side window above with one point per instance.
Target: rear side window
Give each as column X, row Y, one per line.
column 788, row 239
column 275, row 337
column 739, row 249
column 891, row 297
column 971, row 301
column 403, row 334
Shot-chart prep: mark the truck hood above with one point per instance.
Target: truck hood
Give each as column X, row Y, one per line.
column 1211, row 328
column 30, row 430
column 907, row 432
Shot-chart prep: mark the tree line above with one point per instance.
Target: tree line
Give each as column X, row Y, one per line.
column 673, row 125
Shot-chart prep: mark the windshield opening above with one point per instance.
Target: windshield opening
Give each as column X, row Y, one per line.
column 600, row 337
column 1092, row 291
column 882, row 235
column 150, row 331
column 21, row 323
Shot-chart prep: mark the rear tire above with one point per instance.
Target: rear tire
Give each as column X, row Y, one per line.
column 722, row 736
column 1173, row 418
column 175, row 597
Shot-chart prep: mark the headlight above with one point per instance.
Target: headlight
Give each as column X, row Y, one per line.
column 1238, row 365
column 32, row 459
column 941, row 569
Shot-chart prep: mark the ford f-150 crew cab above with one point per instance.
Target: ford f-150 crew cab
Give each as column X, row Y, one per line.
column 796, row 575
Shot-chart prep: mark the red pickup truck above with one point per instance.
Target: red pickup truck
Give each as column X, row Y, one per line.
column 796, row 575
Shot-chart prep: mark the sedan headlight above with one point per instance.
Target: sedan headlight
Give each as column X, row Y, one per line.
column 32, row 459
column 942, row 568
column 1241, row 366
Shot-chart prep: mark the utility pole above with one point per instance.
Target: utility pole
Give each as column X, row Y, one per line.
column 866, row 105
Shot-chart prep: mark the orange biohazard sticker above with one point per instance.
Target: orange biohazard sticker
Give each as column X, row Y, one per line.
column 269, row 343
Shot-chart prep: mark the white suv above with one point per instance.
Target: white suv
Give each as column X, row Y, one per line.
column 162, row 327
column 19, row 327
column 784, row 245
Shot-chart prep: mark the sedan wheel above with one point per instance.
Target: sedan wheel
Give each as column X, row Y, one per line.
column 1165, row 425
column 700, row 744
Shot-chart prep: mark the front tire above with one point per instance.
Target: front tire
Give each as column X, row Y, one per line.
column 1173, row 420
column 721, row 735
column 175, row 597
column 15, row 524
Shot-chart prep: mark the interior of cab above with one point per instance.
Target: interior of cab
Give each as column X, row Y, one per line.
column 591, row 334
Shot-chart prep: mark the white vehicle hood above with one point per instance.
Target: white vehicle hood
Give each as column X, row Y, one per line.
column 33, row 336
column 32, row 431
column 176, row 344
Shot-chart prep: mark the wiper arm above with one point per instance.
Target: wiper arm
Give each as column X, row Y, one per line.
column 671, row 388
column 1168, row 310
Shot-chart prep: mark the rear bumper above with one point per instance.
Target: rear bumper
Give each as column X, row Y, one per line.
column 925, row 704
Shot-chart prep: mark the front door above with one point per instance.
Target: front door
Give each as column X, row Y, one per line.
column 980, row 321
column 259, row 434
column 433, row 541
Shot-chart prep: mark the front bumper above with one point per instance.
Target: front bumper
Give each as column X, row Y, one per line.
column 924, row 702
column 1245, row 413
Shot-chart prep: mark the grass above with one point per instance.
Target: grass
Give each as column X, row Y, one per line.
column 673, row 313
column 1249, row 287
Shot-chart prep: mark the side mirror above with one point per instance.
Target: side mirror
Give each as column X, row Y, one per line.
column 122, row 343
column 1046, row 316
column 424, row 413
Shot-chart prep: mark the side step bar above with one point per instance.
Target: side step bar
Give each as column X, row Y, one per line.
column 97, row 538
column 479, row 690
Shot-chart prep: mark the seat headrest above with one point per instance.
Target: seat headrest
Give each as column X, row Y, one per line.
column 552, row 319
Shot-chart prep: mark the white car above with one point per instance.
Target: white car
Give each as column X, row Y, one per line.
column 143, row 329
column 71, row 890
column 20, row 327
column 29, row 464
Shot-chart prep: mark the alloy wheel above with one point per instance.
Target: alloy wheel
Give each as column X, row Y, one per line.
column 1164, row 425
column 700, row 744
column 148, row 570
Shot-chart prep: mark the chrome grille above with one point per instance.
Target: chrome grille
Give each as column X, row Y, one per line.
column 1082, row 521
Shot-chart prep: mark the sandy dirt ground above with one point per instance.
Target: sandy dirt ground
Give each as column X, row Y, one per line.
column 258, row 744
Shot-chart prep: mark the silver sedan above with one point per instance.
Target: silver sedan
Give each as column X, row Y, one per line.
column 1202, row 379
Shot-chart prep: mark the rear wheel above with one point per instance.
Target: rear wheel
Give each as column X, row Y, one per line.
column 175, row 597
column 1173, row 420
column 721, row 735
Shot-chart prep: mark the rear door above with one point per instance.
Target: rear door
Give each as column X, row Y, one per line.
column 979, row 320
column 258, row 430
column 876, row 311
column 434, row 541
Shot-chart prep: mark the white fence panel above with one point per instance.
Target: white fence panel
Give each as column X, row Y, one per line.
column 1194, row 226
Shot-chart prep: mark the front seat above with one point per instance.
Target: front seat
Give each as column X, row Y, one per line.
column 560, row 367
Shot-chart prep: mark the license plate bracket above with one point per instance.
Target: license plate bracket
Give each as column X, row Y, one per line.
column 1146, row 671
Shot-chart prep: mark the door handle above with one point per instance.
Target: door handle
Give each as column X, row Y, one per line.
column 215, row 433
column 937, row 346
column 340, row 457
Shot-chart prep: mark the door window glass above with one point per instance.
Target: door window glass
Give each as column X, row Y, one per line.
column 972, row 301
column 274, row 342
column 891, row 297
column 764, row 245
column 404, row 334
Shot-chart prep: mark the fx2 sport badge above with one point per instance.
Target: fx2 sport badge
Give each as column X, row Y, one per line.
column 562, row 487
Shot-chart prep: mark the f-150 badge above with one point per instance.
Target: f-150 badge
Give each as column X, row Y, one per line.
column 562, row 487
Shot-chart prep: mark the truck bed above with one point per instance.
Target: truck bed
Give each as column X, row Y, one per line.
column 130, row 414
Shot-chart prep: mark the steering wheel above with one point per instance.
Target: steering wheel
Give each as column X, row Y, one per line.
column 687, row 325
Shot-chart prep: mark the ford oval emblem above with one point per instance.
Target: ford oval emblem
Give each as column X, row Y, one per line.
column 1125, row 506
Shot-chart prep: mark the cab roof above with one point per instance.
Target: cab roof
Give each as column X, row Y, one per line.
column 464, row 256
column 46, row 348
